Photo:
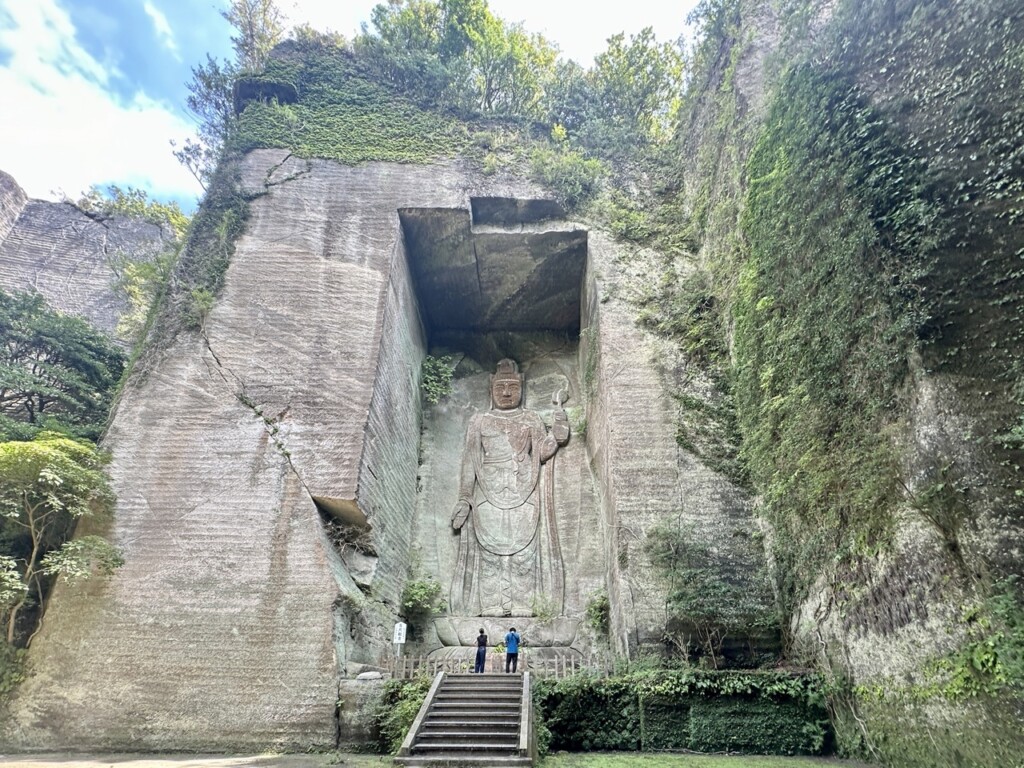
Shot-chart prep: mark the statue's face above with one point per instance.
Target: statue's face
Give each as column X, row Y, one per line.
column 507, row 393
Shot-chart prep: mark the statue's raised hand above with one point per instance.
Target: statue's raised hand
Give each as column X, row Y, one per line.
column 560, row 427
column 460, row 515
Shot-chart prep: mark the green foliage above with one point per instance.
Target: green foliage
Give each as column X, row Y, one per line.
column 56, row 371
column 259, row 27
column 200, row 303
column 399, row 704
column 637, row 87
column 828, row 307
column 142, row 284
column 12, row 669
column 134, row 203
column 46, row 485
column 704, row 595
column 685, row 308
column 597, row 614
column 655, row 709
column 574, row 178
column 991, row 661
column 343, row 115
column 673, row 760
column 421, row 599
column 455, row 54
column 978, row 732
column 12, row 588
column 436, row 373
column 199, row 273
column 543, row 608
column 81, row 558
column 210, row 102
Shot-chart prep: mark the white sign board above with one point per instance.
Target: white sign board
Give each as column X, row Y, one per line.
column 399, row 637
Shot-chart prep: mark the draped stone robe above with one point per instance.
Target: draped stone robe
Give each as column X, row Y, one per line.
column 509, row 562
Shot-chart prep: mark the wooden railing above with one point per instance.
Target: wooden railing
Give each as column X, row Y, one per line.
column 409, row 666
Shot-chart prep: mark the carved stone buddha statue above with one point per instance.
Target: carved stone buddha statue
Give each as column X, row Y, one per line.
column 509, row 558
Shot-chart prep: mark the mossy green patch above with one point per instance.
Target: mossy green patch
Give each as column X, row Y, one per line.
column 915, row 733
column 340, row 114
column 827, row 312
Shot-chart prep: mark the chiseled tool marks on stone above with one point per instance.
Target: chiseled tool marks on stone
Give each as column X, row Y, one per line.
column 218, row 633
column 644, row 476
column 12, row 201
column 59, row 251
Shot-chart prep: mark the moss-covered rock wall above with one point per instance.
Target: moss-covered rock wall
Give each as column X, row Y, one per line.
column 853, row 184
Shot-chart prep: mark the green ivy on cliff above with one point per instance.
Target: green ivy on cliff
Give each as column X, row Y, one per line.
column 840, row 232
column 341, row 114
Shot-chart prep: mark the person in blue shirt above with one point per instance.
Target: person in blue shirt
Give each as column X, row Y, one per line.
column 512, row 641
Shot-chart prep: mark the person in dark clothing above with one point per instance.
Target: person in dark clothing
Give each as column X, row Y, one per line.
column 512, row 641
column 481, row 651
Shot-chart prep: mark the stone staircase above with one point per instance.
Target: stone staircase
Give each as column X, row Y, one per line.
column 472, row 721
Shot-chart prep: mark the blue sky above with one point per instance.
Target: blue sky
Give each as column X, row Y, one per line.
column 93, row 91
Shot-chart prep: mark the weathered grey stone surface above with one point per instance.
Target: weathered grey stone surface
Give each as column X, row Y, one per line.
column 548, row 362
column 59, row 251
column 12, row 201
column 518, row 276
column 645, row 478
column 278, row 481
column 234, row 615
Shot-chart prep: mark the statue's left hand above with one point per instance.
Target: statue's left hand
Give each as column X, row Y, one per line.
column 461, row 514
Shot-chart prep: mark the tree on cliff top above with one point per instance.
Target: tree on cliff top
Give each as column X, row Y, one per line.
column 46, row 486
column 259, row 27
column 457, row 54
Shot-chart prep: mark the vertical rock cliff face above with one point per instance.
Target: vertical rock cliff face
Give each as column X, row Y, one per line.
column 856, row 168
column 66, row 255
column 278, row 483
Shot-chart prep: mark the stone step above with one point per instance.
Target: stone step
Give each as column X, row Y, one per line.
column 454, row 718
column 481, row 675
column 466, row 710
column 484, row 684
column 473, row 721
column 478, row 734
column 462, row 761
column 466, row 725
column 476, row 698
column 496, row 686
column 477, row 746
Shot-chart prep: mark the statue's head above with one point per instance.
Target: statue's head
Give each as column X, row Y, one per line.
column 506, row 386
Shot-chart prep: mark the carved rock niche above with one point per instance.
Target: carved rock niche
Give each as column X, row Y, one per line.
column 499, row 288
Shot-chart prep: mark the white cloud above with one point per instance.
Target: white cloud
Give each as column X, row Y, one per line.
column 69, row 130
column 162, row 28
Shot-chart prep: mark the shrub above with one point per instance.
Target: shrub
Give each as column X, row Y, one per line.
column 437, row 375
column 573, row 178
column 398, row 706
